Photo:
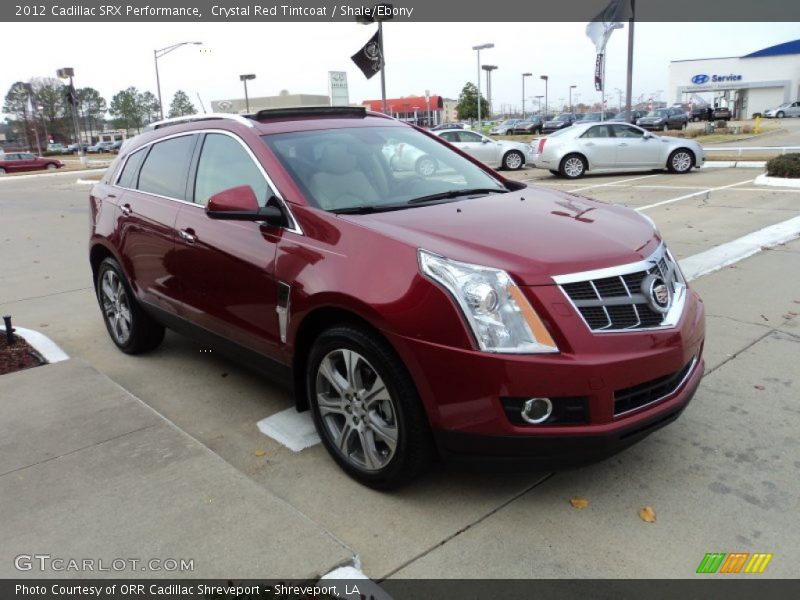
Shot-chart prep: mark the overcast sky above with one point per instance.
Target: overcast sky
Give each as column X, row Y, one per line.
column 420, row 56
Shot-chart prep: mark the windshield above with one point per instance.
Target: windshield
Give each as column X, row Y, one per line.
column 661, row 112
column 362, row 169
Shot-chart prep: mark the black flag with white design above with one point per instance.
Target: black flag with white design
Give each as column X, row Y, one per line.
column 370, row 58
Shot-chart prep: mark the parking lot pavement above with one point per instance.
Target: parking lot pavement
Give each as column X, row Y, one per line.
column 88, row 471
column 451, row 514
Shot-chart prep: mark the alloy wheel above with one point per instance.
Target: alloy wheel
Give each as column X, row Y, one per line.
column 513, row 161
column 116, row 307
column 573, row 167
column 356, row 409
column 681, row 162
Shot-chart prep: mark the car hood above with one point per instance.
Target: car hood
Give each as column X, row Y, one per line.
column 533, row 234
column 650, row 119
column 554, row 123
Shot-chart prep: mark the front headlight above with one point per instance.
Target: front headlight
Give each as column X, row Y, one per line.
column 498, row 313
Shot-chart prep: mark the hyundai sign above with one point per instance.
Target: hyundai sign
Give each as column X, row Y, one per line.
column 703, row 78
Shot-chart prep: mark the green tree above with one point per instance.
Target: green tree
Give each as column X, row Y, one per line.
column 467, row 106
column 149, row 107
column 92, row 108
column 49, row 95
column 16, row 105
column 181, row 105
column 126, row 109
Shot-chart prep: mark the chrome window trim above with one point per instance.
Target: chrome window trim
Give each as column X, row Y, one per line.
column 202, row 117
column 294, row 226
column 670, row 319
column 681, row 383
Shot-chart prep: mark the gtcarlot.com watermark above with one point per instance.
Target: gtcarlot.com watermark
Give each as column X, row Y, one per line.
column 57, row 564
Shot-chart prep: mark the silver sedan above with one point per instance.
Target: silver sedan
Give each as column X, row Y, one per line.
column 496, row 154
column 608, row 147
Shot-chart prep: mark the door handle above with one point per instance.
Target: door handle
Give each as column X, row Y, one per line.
column 623, row 144
column 126, row 209
column 188, row 235
column 589, row 144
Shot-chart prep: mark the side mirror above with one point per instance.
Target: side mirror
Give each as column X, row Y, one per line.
column 647, row 135
column 484, row 141
column 240, row 204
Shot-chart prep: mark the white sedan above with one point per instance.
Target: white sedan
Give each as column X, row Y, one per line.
column 609, row 146
column 496, row 154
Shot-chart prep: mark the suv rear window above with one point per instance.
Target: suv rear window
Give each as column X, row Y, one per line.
column 127, row 178
column 164, row 170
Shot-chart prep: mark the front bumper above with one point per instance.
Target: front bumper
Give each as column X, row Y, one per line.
column 463, row 390
column 652, row 126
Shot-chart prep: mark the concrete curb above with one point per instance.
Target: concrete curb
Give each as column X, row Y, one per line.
column 734, row 164
column 56, row 174
column 765, row 179
column 51, row 352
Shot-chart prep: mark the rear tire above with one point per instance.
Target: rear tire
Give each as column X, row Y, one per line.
column 680, row 161
column 131, row 329
column 573, row 166
column 366, row 408
column 665, row 127
column 2, row 171
column 513, row 160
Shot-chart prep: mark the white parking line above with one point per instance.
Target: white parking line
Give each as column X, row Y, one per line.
column 732, row 252
column 694, row 194
column 57, row 174
column 588, row 187
column 294, row 430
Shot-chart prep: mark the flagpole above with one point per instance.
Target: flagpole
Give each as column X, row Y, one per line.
column 629, row 82
column 383, row 69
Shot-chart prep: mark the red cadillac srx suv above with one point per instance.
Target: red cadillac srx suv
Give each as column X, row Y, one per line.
column 416, row 312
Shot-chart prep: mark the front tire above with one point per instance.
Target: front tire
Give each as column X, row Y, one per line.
column 366, row 408
column 780, row 115
column 425, row 166
column 665, row 127
column 51, row 166
column 131, row 329
column 2, row 171
column 513, row 160
column 572, row 166
column 680, row 161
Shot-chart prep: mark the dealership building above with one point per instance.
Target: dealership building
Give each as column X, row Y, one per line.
column 746, row 84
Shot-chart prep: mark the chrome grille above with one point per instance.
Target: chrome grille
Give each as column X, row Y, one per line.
column 613, row 299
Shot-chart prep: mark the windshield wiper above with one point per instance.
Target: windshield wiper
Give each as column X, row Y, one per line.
column 455, row 194
column 366, row 210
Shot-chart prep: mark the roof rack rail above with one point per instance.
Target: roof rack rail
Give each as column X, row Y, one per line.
column 193, row 118
column 311, row 111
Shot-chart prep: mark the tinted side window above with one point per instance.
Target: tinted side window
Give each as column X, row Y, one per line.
column 164, row 170
column 130, row 171
column 450, row 136
column 468, row 136
column 626, row 131
column 225, row 164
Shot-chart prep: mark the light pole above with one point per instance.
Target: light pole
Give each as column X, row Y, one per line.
column 69, row 72
column 524, row 75
column 539, row 98
column 478, row 51
column 489, row 69
column 244, row 79
column 545, row 78
column 158, row 54
column 619, row 94
column 572, row 87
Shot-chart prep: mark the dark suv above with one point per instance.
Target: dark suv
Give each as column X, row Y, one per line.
column 451, row 311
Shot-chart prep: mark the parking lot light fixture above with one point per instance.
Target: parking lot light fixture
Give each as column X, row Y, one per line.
column 489, row 69
column 572, row 87
column 539, row 98
column 244, row 79
column 524, row 75
column 478, row 49
column 69, row 73
column 545, row 78
column 158, row 54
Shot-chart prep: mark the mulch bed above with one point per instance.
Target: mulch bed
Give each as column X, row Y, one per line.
column 19, row 355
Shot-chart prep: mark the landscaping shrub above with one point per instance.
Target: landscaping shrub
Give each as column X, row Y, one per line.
column 786, row 165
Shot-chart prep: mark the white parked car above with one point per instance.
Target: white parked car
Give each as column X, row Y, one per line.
column 496, row 154
column 405, row 157
column 609, row 146
column 788, row 109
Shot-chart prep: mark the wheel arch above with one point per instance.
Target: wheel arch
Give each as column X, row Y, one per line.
column 586, row 160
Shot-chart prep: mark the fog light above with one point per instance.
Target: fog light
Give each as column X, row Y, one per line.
column 537, row 410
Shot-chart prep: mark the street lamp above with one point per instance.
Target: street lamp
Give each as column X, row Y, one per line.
column 524, row 75
column 539, row 98
column 244, row 79
column 489, row 69
column 158, row 54
column 545, row 78
column 478, row 50
column 572, row 87
column 69, row 73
